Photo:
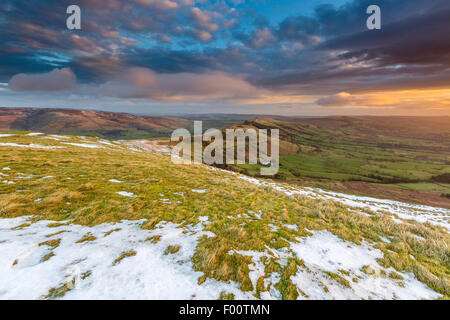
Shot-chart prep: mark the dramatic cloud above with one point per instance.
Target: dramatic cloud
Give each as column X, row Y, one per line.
column 406, row 99
column 415, row 40
column 233, row 51
column 56, row 80
column 344, row 99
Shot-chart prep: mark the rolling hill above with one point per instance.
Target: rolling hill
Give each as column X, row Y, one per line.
column 401, row 158
column 100, row 123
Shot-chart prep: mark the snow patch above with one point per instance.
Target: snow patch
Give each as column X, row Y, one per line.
column 291, row 226
column 84, row 145
column 127, row 194
column 150, row 274
column 32, row 145
column 324, row 252
column 45, row 178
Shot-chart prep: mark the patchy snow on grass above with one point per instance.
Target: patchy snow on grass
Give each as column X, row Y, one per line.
column 127, row 194
column 199, row 190
column 60, row 137
column 85, row 145
column 56, row 137
column 6, row 169
column 167, row 201
column 291, row 226
column 32, row 145
column 22, row 176
column 115, row 181
column 324, row 253
column 335, row 269
column 418, row 237
column 257, row 269
column 107, row 143
column 45, row 178
column 33, row 134
column 91, row 269
column 419, row 213
column 204, row 220
column 6, row 135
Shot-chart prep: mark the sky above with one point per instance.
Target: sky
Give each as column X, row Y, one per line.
column 285, row 57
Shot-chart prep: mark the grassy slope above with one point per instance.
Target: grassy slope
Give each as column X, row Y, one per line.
column 400, row 153
column 108, row 125
column 80, row 177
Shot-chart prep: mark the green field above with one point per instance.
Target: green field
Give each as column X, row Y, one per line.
column 396, row 153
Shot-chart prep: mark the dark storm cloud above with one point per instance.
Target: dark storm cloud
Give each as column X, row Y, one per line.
column 411, row 49
column 420, row 39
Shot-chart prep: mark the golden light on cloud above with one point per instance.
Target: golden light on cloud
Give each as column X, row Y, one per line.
column 401, row 100
column 416, row 98
column 271, row 98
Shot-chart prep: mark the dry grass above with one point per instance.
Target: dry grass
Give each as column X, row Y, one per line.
column 172, row 250
column 51, row 243
column 86, row 237
column 60, row 291
column 124, row 255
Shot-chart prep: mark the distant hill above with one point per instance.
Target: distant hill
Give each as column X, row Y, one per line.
column 399, row 126
column 100, row 123
column 400, row 158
